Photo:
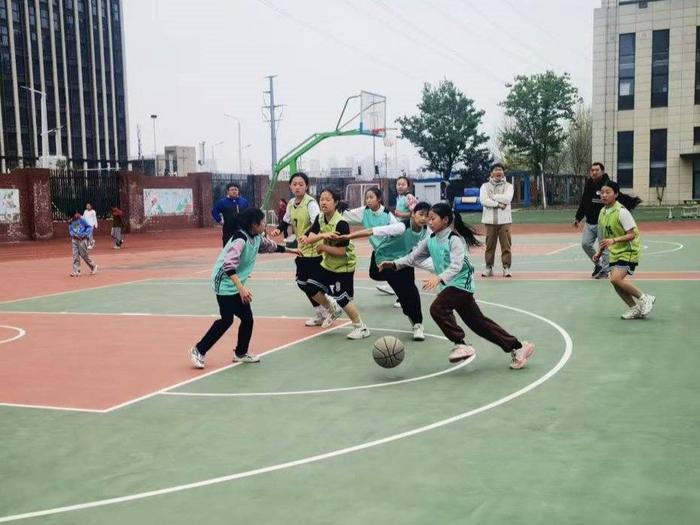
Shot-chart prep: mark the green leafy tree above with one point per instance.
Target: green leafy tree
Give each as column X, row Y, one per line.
column 579, row 142
column 446, row 129
column 538, row 107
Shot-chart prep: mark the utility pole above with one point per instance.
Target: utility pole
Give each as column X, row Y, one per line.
column 138, row 141
column 273, row 124
column 155, row 146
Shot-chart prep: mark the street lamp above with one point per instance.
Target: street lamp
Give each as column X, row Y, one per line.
column 213, row 157
column 240, row 150
column 246, row 147
column 155, row 147
column 44, row 125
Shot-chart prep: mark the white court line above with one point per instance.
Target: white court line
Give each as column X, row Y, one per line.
column 568, row 348
column 578, row 257
column 48, row 407
column 76, row 291
column 141, row 314
column 182, row 383
column 237, row 363
column 554, row 252
column 333, row 390
column 20, row 333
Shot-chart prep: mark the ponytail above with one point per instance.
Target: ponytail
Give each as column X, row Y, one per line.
column 466, row 231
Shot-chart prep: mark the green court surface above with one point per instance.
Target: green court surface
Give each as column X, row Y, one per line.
column 559, row 215
column 601, row 427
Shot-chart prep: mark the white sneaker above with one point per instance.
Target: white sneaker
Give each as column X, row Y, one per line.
column 247, row 358
column 318, row 319
column 75, row 274
column 506, row 272
column 397, row 304
column 488, row 272
column 359, row 332
column 196, row 358
column 633, row 313
column 418, row 334
column 94, row 270
column 646, row 304
column 331, row 315
column 385, row 288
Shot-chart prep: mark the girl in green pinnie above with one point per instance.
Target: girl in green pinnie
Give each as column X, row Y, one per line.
column 621, row 239
column 228, row 279
column 454, row 278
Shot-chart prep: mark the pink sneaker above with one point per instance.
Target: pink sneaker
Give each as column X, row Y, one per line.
column 461, row 353
column 521, row 355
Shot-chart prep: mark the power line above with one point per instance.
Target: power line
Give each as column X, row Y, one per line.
column 437, row 49
column 535, row 23
column 493, row 42
column 330, row 36
column 494, row 76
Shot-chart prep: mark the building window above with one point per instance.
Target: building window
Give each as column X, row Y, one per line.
column 696, row 135
column 697, row 65
column 625, row 98
column 657, row 158
column 659, row 68
column 625, row 158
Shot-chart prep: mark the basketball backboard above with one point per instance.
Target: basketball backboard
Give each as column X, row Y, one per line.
column 366, row 113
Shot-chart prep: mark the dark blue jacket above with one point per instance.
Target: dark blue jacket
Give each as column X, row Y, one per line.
column 79, row 228
column 229, row 209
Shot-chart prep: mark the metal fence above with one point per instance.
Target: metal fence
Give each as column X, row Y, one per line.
column 72, row 189
column 246, row 183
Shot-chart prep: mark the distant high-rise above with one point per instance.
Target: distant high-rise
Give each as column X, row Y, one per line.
column 646, row 96
column 71, row 50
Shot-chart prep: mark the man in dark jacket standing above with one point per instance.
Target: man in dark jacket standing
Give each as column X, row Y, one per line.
column 589, row 208
column 226, row 211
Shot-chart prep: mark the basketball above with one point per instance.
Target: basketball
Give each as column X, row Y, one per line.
column 388, row 351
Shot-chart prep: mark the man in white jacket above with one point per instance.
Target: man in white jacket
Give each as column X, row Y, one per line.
column 495, row 196
column 90, row 217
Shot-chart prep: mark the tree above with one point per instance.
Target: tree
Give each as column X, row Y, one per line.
column 539, row 106
column 579, row 142
column 511, row 159
column 446, row 129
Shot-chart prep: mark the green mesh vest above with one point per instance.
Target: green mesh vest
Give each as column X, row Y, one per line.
column 222, row 283
column 439, row 248
column 302, row 222
column 392, row 248
column 334, row 263
column 609, row 222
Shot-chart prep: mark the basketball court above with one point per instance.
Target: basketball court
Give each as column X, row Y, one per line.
column 105, row 420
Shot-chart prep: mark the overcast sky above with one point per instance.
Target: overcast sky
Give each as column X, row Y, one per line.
column 191, row 61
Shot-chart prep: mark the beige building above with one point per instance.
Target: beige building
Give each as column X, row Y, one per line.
column 178, row 160
column 646, row 96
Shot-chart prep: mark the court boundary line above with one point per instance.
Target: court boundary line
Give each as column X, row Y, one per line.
column 554, row 252
column 568, row 350
column 227, row 367
column 176, row 385
column 77, row 290
column 333, row 390
column 21, row 332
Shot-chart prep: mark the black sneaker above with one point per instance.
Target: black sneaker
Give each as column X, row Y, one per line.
column 596, row 270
